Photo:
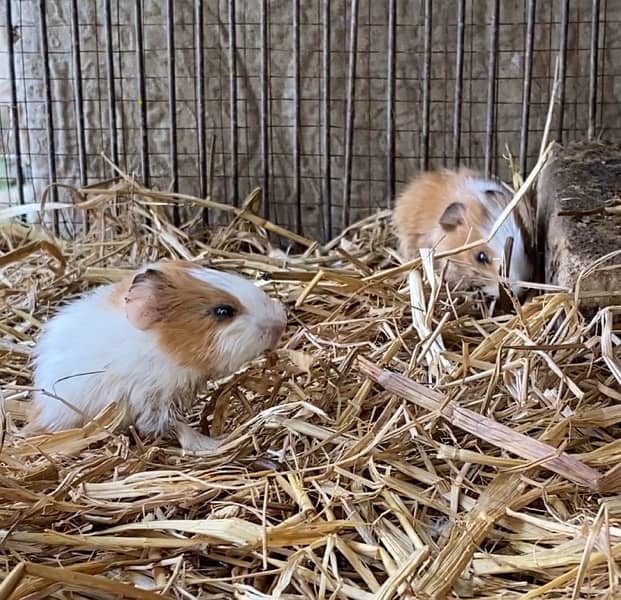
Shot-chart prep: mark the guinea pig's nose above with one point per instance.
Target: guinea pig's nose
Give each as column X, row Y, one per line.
column 275, row 329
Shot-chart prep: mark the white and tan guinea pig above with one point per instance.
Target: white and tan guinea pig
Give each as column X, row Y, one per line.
column 446, row 209
column 148, row 342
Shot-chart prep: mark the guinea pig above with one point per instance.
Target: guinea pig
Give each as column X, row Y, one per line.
column 149, row 342
column 447, row 209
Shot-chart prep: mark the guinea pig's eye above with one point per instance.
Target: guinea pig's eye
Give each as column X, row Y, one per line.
column 223, row 311
column 482, row 258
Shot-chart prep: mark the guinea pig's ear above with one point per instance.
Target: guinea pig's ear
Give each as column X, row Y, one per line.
column 453, row 216
column 495, row 194
column 144, row 299
column 499, row 194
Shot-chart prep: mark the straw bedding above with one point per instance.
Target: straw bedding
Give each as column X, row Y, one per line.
column 385, row 452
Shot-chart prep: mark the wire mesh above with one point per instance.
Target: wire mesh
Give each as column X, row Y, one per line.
column 330, row 106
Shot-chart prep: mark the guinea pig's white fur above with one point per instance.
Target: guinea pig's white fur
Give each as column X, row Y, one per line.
column 148, row 342
column 446, row 209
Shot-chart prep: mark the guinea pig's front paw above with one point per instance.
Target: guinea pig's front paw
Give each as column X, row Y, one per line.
column 194, row 441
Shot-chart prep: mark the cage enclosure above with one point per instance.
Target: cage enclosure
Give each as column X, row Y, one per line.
column 329, row 106
column 405, row 439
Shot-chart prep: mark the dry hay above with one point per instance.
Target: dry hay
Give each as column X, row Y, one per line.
column 478, row 466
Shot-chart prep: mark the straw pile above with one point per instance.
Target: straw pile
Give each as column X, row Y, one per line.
column 389, row 451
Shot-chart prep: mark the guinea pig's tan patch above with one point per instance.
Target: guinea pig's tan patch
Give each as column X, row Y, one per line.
column 188, row 327
column 179, row 308
column 419, row 209
column 120, row 289
column 191, row 337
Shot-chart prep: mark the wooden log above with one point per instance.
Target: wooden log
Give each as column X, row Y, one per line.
column 579, row 220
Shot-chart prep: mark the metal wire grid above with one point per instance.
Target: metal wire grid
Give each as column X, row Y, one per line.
column 330, row 106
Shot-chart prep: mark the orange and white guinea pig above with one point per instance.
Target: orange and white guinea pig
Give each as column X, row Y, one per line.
column 149, row 342
column 446, row 209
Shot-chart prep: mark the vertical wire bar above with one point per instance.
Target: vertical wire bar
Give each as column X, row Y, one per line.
column 491, row 89
column 114, row 145
column 172, row 104
column 296, row 117
column 14, row 112
column 424, row 141
column 233, row 100
column 326, row 153
column 264, row 111
column 601, row 71
column 593, row 59
column 51, row 146
column 142, row 96
column 350, row 111
column 459, row 76
column 562, row 66
column 528, row 74
column 78, row 92
column 199, row 64
column 390, row 103
column 79, row 99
